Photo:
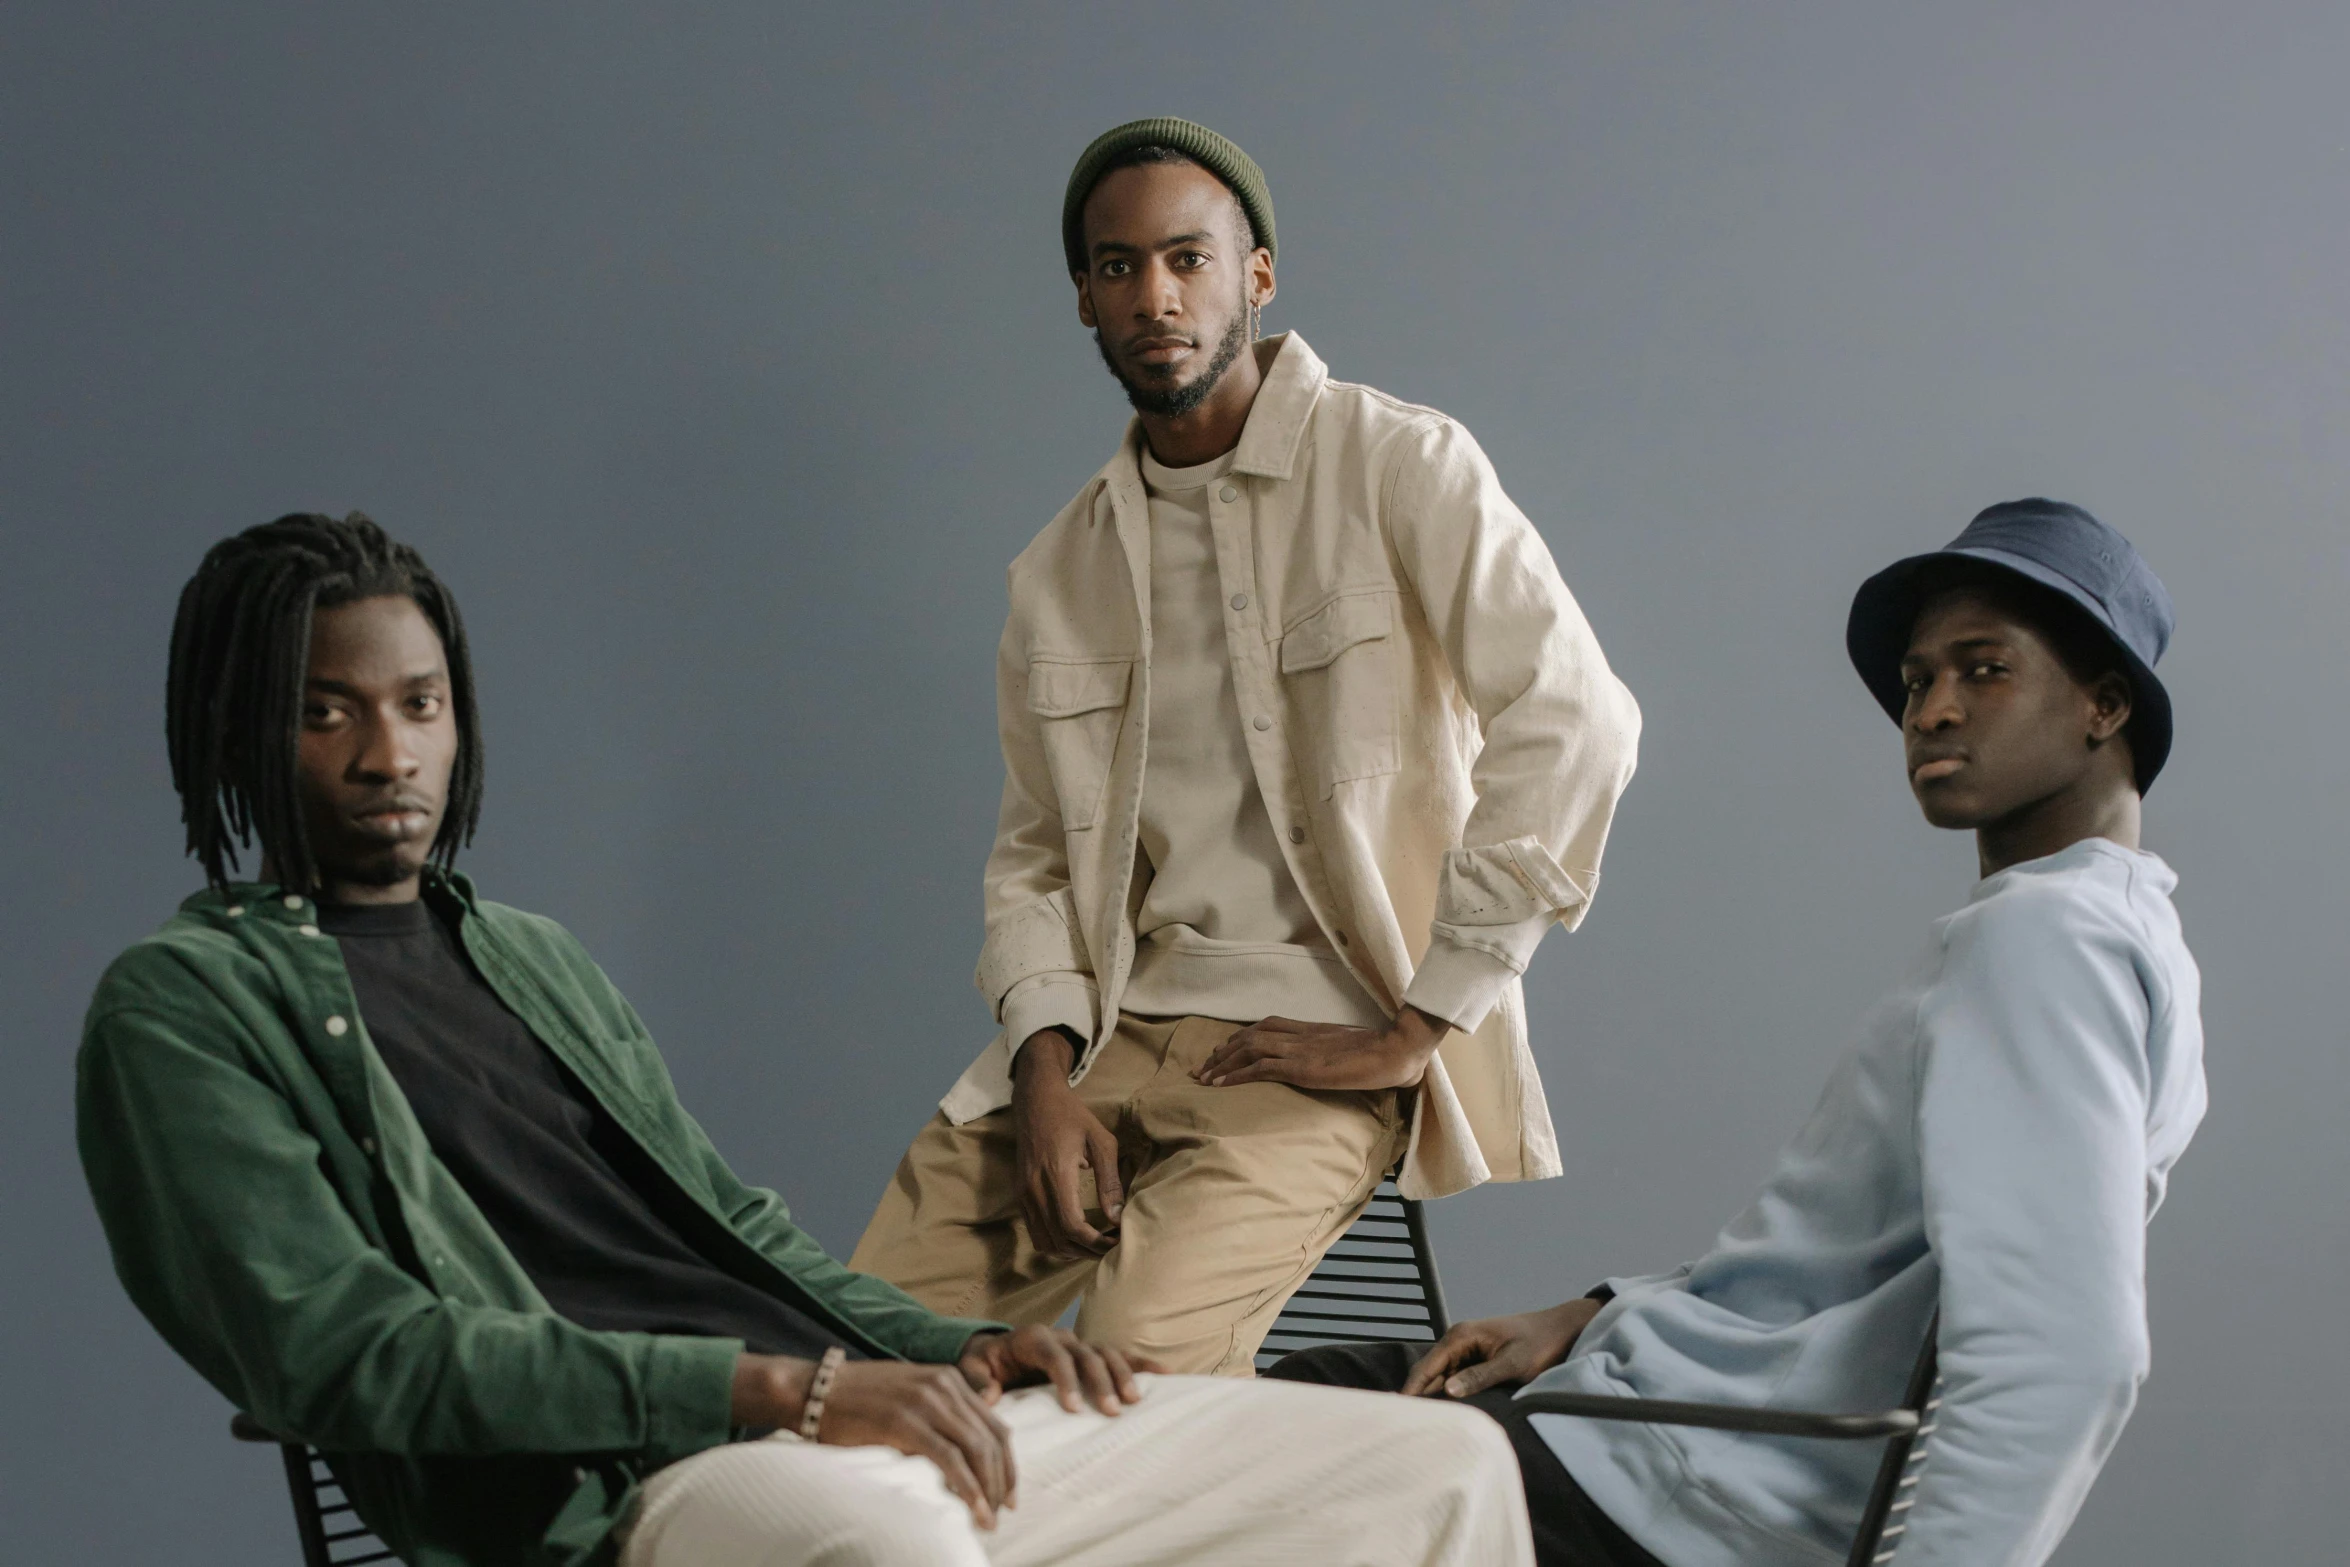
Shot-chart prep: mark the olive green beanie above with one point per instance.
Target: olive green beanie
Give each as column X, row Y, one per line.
column 1196, row 142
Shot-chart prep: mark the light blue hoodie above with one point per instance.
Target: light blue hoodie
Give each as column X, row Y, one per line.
column 1993, row 1146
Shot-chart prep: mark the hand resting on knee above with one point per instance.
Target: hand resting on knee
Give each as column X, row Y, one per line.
column 941, row 1412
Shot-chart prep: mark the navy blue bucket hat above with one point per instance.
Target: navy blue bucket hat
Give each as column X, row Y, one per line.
column 2059, row 547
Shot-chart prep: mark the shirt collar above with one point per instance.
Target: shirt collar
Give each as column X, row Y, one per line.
column 269, row 901
column 1277, row 420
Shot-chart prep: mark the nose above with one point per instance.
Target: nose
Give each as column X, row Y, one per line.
column 1937, row 707
column 1159, row 297
column 387, row 752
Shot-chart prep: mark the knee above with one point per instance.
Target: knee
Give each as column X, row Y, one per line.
column 1461, row 1446
column 783, row 1505
column 886, row 1538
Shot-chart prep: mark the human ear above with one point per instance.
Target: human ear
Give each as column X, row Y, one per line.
column 1260, row 277
column 2109, row 708
column 1085, row 315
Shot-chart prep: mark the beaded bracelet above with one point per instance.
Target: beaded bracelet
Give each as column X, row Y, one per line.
column 812, row 1412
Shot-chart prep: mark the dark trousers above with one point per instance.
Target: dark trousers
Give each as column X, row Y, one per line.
column 1569, row 1528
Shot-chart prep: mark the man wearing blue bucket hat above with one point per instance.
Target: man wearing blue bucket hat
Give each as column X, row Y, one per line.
column 1990, row 1150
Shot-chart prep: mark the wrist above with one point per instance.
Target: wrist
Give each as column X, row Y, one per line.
column 1046, row 1057
column 1414, row 1035
column 770, row 1391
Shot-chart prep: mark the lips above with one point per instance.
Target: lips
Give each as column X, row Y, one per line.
column 1159, row 350
column 1935, row 767
column 395, row 819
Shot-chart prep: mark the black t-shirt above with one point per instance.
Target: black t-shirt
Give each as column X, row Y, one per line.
column 606, row 1235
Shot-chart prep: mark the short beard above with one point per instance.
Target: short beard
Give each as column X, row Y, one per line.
column 1174, row 402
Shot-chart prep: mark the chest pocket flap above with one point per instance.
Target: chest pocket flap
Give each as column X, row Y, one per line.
column 1082, row 702
column 1316, row 641
column 1338, row 669
column 1059, row 689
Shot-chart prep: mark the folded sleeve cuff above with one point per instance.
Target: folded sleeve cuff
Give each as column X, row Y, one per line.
column 1068, row 1001
column 689, row 1394
column 1460, row 984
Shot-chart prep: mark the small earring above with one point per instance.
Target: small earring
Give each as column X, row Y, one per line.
column 1256, row 321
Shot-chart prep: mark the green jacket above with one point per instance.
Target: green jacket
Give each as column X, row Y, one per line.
column 275, row 1211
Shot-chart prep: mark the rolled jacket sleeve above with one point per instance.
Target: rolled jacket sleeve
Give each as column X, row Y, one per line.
column 1461, row 983
column 1041, row 1001
column 1560, row 731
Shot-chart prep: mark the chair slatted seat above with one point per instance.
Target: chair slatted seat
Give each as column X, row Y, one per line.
column 1377, row 1284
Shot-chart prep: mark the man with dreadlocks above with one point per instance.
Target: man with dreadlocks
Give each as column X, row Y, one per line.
column 1306, row 747
column 401, row 1174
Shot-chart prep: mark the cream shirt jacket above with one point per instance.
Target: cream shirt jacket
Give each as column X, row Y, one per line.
column 1435, row 731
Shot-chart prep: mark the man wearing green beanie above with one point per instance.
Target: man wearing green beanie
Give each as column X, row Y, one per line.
column 1306, row 746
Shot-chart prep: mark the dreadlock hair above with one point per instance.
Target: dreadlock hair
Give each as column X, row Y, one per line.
column 240, row 655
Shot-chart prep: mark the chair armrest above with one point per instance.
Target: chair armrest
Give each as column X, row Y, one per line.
column 247, row 1429
column 1722, row 1417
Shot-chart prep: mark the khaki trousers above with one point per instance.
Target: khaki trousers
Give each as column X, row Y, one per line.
column 1232, row 1196
column 1202, row 1471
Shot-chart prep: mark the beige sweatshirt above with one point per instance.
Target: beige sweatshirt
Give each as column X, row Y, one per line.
column 1222, row 930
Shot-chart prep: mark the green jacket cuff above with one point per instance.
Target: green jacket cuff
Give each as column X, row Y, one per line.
column 689, row 1395
column 942, row 1338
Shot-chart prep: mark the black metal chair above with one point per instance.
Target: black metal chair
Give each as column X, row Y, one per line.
column 330, row 1530
column 1904, row 1430
column 1378, row 1283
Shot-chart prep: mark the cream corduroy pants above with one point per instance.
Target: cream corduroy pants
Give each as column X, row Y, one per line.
column 1202, row 1471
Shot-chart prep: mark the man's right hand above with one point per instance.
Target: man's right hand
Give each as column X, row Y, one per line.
column 930, row 1412
column 1058, row 1136
column 1477, row 1355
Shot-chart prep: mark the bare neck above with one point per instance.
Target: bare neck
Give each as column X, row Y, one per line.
column 2100, row 808
column 1214, row 427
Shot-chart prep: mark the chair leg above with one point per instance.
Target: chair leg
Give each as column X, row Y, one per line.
column 307, row 1522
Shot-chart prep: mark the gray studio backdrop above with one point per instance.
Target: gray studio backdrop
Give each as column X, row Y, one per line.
column 720, row 359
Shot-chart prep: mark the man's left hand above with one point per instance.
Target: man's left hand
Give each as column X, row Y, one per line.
column 1091, row 1373
column 1326, row 1055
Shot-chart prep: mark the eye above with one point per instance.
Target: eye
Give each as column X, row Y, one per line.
column 1192, row 259
column 1985, row 669
column 427, row 706
column 1115, row 269
column 320, row 715
column 1916, row 683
